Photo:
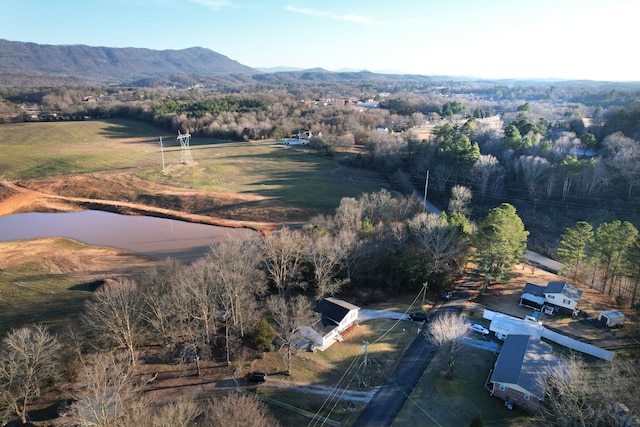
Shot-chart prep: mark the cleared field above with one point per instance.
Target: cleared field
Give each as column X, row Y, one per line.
column 293, row 175
column 47, row 280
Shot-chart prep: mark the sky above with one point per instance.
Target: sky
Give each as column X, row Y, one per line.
column 565, row 39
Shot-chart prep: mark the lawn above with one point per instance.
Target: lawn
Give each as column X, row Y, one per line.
column 339, row 366
column 295, row 175
column 437, row 401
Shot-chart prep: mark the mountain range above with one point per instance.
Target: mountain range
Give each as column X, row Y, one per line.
column 107, row 65
column 30, row 64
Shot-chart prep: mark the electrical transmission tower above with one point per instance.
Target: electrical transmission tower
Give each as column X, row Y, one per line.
column 184, row 139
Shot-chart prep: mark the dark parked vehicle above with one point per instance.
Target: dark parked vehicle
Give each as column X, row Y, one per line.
column 447, row 295
column 257, row 377
column 419, row 317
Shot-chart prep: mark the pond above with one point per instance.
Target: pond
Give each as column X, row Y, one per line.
column 153, row 237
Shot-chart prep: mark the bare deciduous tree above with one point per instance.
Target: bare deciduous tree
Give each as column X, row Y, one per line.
column 156, row 285
column 326, row 255
column 284, row 253
column 581, row 395
column 487, row 170
column 290, row 316
column 106, row 393
column 114, row 315
column 239, row 410
column 460, row 200
column 181, row 413
column 533, row 169
column 235, row 264
column 623, row 155
column 29, row 360
column 448, row 329
column 441, row 242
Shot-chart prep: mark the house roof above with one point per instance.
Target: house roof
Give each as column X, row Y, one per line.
column 334, row 309
column 533, row 289
column 510, row 325
column 522, row 361
column 564, row 288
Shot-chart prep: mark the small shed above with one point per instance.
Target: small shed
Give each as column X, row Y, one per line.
column 611, row 318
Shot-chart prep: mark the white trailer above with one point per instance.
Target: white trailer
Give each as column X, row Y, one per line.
column 611, row 318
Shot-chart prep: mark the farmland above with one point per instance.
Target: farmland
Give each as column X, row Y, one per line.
column 285, row 176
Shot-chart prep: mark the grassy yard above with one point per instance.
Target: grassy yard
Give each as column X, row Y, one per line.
column 295, row 175
column 339, row 366
column 437, row 401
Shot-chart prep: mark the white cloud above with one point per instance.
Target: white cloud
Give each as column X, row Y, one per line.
column 358, row 19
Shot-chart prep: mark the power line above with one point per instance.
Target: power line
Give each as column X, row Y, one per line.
column 331, row 395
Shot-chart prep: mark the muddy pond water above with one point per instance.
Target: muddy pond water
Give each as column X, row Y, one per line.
column 153, row 237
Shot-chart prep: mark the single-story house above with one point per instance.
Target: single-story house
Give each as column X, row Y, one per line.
column 519, row 375
column 334, row 317
column 556, row 296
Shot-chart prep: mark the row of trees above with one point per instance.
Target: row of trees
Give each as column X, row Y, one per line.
column 608, row 257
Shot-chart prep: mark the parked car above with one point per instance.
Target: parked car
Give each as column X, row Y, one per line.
column 419, row 317
column 257, row 377
column 479, row 329
column 447, row 295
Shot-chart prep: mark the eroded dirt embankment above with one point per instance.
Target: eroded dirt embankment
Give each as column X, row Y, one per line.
column 128, row 195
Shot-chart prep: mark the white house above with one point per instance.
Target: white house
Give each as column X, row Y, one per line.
column 556, row 296
column 334, row 317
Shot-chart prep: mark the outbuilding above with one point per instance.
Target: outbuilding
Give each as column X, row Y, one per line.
column 611, row 318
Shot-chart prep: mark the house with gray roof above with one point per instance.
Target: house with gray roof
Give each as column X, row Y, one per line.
column 334, row 316
column 557, row 296
column 519, row 375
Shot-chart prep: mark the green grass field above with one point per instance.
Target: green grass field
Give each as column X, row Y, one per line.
column 437, row 401
column 30, row 294
column 291, row 174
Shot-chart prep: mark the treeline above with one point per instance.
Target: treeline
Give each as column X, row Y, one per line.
column 606, row 257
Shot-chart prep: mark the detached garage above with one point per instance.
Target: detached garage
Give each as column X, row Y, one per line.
column 611, row 318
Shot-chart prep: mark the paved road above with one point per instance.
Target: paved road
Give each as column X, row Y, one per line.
column 388, row 401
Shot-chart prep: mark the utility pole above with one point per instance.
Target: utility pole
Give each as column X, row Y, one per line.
column 162, row 153
column 426, row 185
column 364, row 368
column 425, row 286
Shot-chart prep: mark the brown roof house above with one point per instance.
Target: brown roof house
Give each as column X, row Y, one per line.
column 519, row 375
column 334, row 317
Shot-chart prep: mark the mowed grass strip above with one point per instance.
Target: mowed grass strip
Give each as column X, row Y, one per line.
column 293, row 175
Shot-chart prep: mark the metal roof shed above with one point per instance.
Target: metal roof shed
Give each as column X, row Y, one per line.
column 509, row 325
column 611, row 318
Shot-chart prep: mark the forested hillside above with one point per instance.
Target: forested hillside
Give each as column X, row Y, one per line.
column 106, row 65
